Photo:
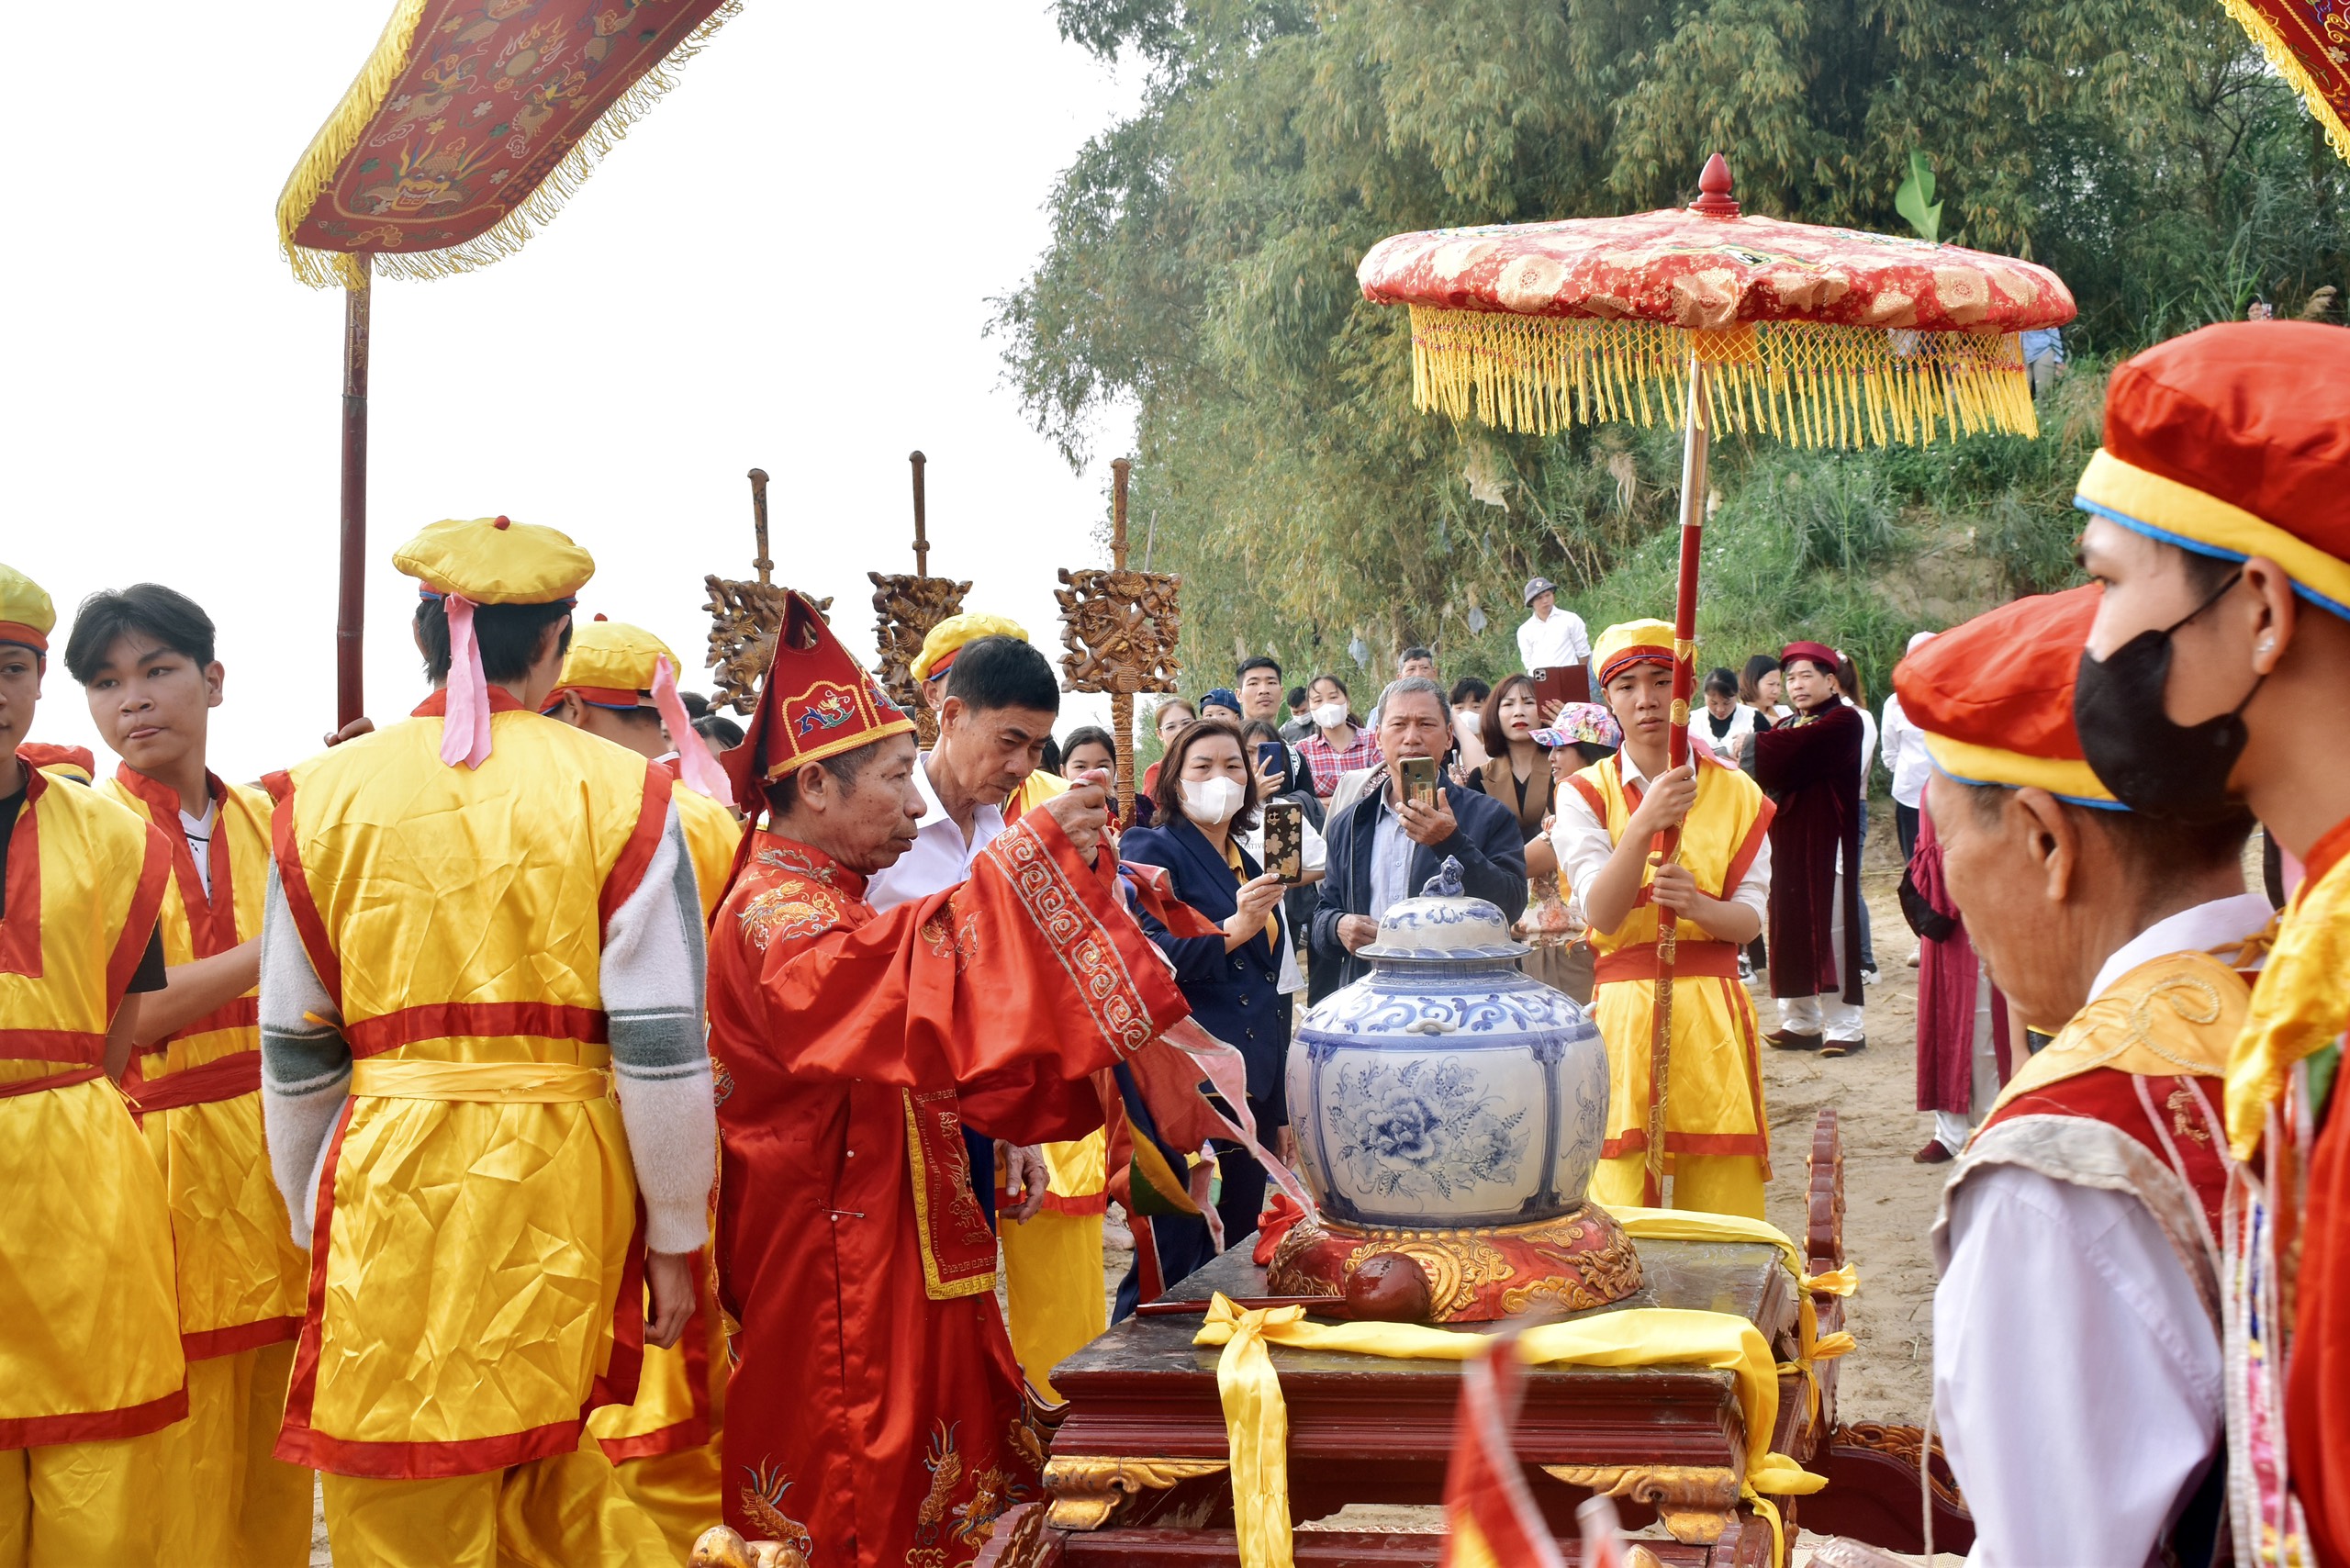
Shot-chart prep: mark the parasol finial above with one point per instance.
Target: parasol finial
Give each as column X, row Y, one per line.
column 1715, row 183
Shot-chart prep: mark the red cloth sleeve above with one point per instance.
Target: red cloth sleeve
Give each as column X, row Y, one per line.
column 1793, row 755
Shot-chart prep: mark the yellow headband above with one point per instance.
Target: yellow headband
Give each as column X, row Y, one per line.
column 1970, row 763
column 2147, row 503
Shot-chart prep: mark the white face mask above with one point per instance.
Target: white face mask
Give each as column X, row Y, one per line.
column 1211, row 801
column 1330, row 715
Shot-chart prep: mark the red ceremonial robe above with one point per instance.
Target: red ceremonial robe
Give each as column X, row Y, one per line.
column 1947, row 975
column 1811, row 768
column 874, row 1414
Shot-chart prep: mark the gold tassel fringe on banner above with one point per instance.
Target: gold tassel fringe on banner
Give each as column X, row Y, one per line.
column 340, row 135
column 1812, row 384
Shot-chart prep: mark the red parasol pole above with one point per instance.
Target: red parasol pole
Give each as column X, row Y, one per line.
column 351, row 607
column 1668, row 843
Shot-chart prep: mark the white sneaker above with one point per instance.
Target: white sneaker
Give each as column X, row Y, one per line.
column 1869, row 977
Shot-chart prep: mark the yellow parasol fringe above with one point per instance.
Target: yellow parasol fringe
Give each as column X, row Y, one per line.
column 1821, row 385
column 2282, row 60
column 336, row 139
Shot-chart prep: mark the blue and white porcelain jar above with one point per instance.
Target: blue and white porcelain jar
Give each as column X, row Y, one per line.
column 1447, row 1089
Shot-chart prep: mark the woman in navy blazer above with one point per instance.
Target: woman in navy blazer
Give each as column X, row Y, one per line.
column 1205, row 792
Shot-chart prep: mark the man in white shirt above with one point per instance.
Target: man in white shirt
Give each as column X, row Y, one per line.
column 1001, row 704
column 2077, row 1366
column 1902, row 748
column 1551, row 638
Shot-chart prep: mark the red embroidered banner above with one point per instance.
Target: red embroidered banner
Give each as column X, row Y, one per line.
column 471, row 124
column 2308, row 43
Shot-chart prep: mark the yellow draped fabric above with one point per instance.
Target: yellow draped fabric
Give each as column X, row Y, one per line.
column 240, row 1277
column 480, row 1202
column 1716, row 1139
column 1257, row 1420
column 2174, row 1014
column 2300, row 1005
column 89, row 1319
column 711, row 835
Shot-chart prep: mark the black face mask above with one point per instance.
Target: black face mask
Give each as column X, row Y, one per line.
column 2152, row 764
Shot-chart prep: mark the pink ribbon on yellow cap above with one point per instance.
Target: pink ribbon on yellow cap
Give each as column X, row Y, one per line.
column 695, row 766
column 464, row 731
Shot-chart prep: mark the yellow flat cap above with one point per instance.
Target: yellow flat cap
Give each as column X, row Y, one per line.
column 947, row 640
column 492, row 560
column 26, row 617
column 613, row 663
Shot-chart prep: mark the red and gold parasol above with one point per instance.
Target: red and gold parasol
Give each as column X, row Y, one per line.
column 469, row 126
column 2308, row 43
column 1709, row 319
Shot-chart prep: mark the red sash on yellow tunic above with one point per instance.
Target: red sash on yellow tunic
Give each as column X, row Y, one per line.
column 875, row 1411
column 475, row 1283
column 89, row 1325
column 198, row 1092
column 1715, row 1104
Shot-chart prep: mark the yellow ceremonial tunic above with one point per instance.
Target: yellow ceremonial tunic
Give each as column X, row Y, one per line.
column 1718, row 1145
column 476, row 1283
column 664, row 1446
column 1053, row 1282
column 90, row 1360
column 241, row 1278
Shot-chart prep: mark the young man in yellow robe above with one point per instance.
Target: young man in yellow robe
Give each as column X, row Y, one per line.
column 91, row 1370
column 2077, row 1372
column 1052, row 1258
column 144, row 658
column 619, row 681
column 1718, row 1145
column 488, row 1092
column 2219, row 532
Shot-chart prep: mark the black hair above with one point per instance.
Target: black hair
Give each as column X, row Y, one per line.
column 1002, row 672
column 845, row 766
column 1749, row 685
column 1296, row 698
column 1468, row 689
column 720, row 728
column 507, row 636
column 1048, row 760
column 1489, row 717
column 1167, row 793
column 1262, row 661
column 1722, row 682
column 1089, row 734
column 2205, row 574
column 1591, row 755
column 174, row 619
column 697, row 706
column 1414, row 652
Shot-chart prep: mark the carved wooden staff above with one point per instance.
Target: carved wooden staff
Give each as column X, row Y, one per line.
column 905, row 608
column 351, row 602
column 1667, row 847
column 745, row 617
column 1118, row 631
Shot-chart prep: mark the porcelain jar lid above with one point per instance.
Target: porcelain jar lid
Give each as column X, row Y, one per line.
column 1444, row 924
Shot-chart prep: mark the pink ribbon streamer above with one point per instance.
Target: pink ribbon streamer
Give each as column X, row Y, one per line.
column 1227, row 1071
column 695, row 768
column 464, row 729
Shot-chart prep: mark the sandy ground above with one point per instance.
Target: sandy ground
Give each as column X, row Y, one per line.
column 1889, row 1201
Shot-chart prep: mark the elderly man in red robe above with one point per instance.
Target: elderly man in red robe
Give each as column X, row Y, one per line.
column 1811, row 766
column 875, row 1409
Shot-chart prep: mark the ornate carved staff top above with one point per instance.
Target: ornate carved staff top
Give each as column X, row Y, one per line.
column 906, row 605
column 745, row 616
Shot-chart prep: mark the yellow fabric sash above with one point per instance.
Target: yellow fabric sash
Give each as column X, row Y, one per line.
column 490, row 1082
column 2173, row 1015
column 2299, row 1006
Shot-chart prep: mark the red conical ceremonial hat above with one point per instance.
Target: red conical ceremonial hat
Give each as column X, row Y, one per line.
column 816, row 701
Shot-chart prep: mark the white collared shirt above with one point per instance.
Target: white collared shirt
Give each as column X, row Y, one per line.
column 1583, row 844
column 1556, row 642
column 2076, row 1376
column 940, row 857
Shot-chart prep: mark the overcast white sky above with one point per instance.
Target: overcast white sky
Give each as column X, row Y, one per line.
column 786, row 265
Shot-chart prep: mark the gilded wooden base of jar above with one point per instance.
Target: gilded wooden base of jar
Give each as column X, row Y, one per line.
column 1579, row 1261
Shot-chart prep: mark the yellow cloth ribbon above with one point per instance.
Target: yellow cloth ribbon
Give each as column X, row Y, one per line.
column 1257, row 1424
column 495, row 1082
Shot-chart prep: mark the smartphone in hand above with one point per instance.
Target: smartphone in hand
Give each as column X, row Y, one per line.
column 1285, row 840
column 1272, row 756
column 1420, row 779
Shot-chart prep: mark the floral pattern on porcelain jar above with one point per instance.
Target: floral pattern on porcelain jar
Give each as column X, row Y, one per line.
column 1447, row 1088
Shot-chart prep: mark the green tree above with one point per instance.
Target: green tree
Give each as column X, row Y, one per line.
column 1203, row 263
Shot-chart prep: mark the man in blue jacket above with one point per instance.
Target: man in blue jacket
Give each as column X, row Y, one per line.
column 1384, row 849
